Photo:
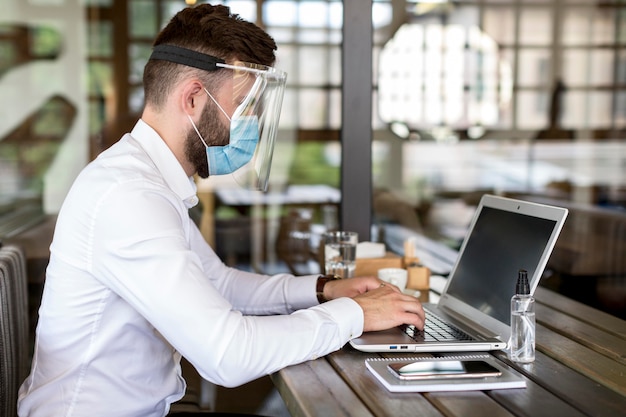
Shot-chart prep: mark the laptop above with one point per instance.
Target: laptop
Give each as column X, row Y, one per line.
column 505, row 235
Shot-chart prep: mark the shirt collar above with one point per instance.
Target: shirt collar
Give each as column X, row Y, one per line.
column 166, row 163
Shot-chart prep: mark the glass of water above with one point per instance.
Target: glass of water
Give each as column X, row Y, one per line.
column 340, row 253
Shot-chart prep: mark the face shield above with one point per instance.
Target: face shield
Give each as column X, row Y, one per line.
column 256, row 92
column 257, row 95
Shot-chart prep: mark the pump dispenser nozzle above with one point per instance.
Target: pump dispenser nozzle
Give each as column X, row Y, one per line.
column 522, row 287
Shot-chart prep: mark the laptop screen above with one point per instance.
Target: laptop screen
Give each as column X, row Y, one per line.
column 501, row 243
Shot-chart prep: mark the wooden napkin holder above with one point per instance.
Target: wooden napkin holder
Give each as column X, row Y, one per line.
column 418, row 277
column 370, row 266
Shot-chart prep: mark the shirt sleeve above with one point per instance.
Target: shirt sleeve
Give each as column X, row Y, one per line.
column 253, row 293
column 153, row 259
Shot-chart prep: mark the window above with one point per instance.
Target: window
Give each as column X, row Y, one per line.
column 524, row 98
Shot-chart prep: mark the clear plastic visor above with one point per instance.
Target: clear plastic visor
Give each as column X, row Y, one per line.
column 257, row 91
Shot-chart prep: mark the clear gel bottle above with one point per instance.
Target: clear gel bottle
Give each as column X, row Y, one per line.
column 522, row 322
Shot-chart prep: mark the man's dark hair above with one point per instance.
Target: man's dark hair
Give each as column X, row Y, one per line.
column 213, row 30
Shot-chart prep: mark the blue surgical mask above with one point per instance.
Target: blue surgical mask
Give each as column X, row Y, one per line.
column 244, row 137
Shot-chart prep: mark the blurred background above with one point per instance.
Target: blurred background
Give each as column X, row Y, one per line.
column 523, row 98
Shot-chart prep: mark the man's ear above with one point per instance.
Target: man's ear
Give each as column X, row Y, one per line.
column 193, row 97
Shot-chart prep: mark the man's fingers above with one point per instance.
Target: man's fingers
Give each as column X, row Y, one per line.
column 386, row 307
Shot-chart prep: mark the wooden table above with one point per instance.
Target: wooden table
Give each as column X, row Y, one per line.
column 580, row 369
column 310, row 196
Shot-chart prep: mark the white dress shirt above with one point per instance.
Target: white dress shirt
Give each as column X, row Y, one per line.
column 132, row 285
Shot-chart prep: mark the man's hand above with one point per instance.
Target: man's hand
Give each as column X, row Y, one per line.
column 384, row 306
column 350, row 287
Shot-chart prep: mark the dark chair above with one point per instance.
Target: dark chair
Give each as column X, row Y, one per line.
column 14, row 347
column 293, row 244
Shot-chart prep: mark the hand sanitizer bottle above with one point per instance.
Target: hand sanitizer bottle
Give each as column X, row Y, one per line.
column 522, row 347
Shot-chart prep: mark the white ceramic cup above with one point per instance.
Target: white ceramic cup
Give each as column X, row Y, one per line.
column 395, row 276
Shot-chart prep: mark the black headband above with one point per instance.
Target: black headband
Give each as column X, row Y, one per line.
column 186, row 56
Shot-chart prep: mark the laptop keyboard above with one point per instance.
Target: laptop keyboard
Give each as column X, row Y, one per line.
column 436, row 330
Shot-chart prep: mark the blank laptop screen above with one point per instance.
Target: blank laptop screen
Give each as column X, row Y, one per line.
column 501, row 243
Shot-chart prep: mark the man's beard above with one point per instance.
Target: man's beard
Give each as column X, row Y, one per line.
column 213, row 132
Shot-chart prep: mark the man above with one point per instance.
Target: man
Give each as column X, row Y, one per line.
column 132, row 286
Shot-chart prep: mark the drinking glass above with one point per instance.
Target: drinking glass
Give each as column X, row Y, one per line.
column 340, row 253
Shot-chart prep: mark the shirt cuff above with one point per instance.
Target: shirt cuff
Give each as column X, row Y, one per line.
column 301, row 291
column 344, row 311
column 347, row 314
